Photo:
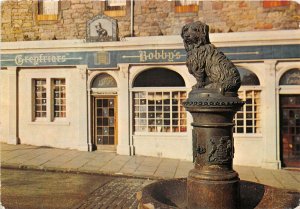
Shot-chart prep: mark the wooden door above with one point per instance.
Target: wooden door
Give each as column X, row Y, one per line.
column 105, row 118
column 290, row 130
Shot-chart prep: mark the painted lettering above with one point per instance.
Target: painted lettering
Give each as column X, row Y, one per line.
column 160, row 55
column 38, row 59
column 19, row 60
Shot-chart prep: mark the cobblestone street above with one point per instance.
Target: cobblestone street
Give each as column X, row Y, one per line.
column 118, row 193
column 25, row 189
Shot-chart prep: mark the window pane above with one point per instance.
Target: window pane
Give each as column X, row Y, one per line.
column 104, row 80
column 186, row 2
column 183, row 6
column 40, row 99
column 247, row 120
column 59, row 98
column 115, row 5
column 49, row 7
column 158, row 77
column 291, row 77
column 248, row 78
column 156, row 114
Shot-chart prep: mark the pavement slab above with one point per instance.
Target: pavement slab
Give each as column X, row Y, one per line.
column 21, row 160
column 132, row 164
column 78, row 161
column 8, row 155
column 245, row 173
column 152, row 161
column 42, row 159
column 296, row 175
column 287, row 180
column 183, row 169
column 59, row 161
column 266, row 177
column 115, row 164
column 45, row 158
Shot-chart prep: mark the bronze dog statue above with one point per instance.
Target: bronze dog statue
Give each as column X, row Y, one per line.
column 211, row 68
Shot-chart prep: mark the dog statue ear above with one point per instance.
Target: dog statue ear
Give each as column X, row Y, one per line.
column 182, row 31
column 206, row 31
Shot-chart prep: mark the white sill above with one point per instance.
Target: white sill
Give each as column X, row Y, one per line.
column 164, row 134
column 253, row 136
column 57, row 123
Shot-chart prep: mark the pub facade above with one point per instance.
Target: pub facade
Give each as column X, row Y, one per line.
column 125, row 94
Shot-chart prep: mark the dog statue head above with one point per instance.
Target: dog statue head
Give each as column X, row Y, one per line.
column 194, row 35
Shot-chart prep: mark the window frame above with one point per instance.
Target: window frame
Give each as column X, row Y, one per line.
column 33, row 106
column 50, row 109
column 119, row 11
column 193, row 7
column 267, row 4
column 53, row 111
column 243, row 110
column 47, row 17
column 157, row 89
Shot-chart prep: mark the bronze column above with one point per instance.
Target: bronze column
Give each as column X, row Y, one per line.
column 212, row 184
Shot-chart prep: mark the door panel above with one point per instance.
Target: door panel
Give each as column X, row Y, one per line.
column 105, row 120
column 290, row 130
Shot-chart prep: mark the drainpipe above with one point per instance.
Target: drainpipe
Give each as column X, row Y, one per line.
column 131, row 18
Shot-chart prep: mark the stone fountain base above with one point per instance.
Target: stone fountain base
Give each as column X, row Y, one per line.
column 169, row 194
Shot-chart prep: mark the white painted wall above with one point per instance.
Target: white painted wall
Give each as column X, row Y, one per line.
column 69, row 132
column 4, row 106
column 178, row 147
column 123, row 147
column 248, row 151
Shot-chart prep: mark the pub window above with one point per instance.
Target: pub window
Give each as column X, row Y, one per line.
column 104, row 80
column 184, row 6
column 59, row 98
column 291, row 77
column 115, row 8
column 157, row 102
column 48, row 9
column 248, row 119
column 40, row 98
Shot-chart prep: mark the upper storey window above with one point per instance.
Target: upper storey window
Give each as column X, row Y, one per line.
column 115, row 8
column 270, row 4
column 48, row 9
column 183, row 6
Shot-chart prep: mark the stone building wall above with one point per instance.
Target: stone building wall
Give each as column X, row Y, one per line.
column 152, row 17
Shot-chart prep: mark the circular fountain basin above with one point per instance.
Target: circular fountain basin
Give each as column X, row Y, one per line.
column 172, row 194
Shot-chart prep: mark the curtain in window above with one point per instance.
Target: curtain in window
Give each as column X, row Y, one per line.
column 50, row 7
column 187, row 2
